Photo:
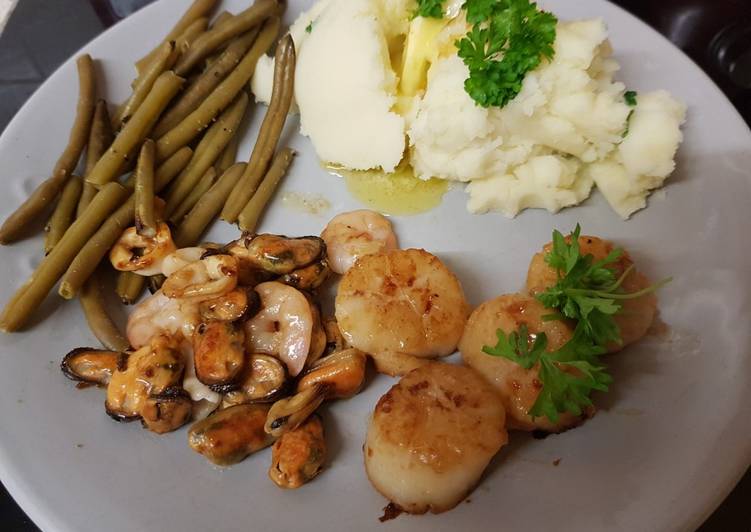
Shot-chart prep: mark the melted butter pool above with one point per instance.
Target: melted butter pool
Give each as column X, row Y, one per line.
column 399, row 193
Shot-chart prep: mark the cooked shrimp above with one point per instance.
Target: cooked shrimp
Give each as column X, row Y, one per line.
column 636, row 315
column 404, row 301
column 518, row 387
column 161, row 314
column 210, row 277
column 431, row 437
column 351, row 235
column 180, row 258
column 140, row 254
column 283, row 327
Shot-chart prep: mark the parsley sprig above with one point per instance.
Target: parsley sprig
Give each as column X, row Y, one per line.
column 508, row 39
column 568, row 376
column 429, row 8
column 587, row 290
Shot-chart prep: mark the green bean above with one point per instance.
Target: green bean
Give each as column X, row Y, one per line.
column 221, row 18
column 162, row 61
column 129, row 287
column 199, row 90
column 27, row 299
column 63, row 214
column 220, row 97
column 248, row 220
column 207, row 151
column 271, row 130
column 100, row 138
column 198, row 9
column 134, row 132
column 89, row 256
column 146, row 224
column 199, row 218
column 99, row 320
column 203, row 185
column 191, row 33
column 222, row 33
column 168, row 170
column 228, row 156
column 30, row 210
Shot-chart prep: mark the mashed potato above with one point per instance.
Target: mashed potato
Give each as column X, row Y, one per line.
column 562, row 135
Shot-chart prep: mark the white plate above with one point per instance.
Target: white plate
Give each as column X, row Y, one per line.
column 668, row 444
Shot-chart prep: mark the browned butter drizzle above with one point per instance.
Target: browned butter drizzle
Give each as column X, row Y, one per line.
column 399, row 192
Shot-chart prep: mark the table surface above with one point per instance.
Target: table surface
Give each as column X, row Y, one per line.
column 30, row 51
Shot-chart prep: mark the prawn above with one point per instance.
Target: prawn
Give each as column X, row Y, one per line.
column 210, row 277
column 351, row 235
column 160, row 314
column 283, row 327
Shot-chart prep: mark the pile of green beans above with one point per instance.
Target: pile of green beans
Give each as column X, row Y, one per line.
column 271, row 130
column 195, row 131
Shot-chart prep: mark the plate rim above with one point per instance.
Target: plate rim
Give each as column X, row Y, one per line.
column 44, row 514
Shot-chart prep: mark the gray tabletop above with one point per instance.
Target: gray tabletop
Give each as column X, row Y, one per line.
column 41, row 34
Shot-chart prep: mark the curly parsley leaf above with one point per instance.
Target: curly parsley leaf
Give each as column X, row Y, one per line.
column 516, row 347
column 508, row 39
column 568, row 376
column 587, row 290
column 309, row 27
column 429, row 8
column 630, row 98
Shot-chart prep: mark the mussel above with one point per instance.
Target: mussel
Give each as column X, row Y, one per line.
column 317, row 335
column 90, row 365
column 289, row 413
column 228, row 436
column 340, row 375
column 298, row 455
column 264, row 380
column 218, row 352
column 309, row 277
column 239, row 304
column 150, row 371
column 277, row 254
column 167, row 411
column 334, row 338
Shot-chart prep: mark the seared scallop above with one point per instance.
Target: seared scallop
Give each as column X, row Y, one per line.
column 518, row 387
column 431, row 437
column 404, row 301
column 636, row 315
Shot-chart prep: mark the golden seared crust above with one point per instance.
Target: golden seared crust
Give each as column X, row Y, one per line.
column 518, row 387
column 431, row 437
column 404, row 301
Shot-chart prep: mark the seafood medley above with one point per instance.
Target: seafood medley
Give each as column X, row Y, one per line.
column 234, row 341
